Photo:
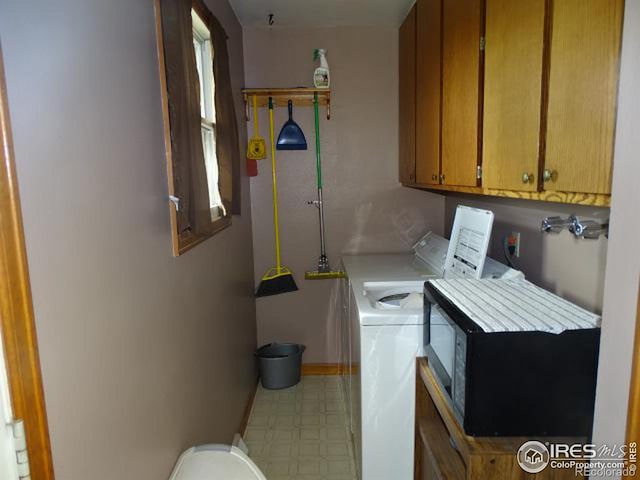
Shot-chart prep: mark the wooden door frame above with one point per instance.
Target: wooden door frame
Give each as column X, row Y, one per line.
column 633, row 414
column 16, row 309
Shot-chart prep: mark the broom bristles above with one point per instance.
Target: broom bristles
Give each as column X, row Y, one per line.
column 275, row 286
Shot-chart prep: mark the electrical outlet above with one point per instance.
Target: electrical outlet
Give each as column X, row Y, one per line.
column 515, row 237
column 512, row 244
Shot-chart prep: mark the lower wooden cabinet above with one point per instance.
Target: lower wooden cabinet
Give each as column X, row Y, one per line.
column 435, row 456
column 443, row 451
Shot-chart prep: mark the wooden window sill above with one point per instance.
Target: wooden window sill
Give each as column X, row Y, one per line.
column 187, row 240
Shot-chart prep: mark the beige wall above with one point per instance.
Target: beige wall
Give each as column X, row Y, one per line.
column 623, row 259
column 561, row 263
column 142, row 354
column 366, row 208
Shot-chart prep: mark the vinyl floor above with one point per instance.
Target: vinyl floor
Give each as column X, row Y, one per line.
column 301, row 432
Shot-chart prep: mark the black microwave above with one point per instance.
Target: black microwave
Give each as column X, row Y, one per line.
column 511, row 383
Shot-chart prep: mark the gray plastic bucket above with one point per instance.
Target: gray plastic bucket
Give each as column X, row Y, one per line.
column 279, row 364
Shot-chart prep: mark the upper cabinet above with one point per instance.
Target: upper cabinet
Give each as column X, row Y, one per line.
column 583, row 86
column 447, row 90
column 513, row 98
column 513, row 93
column 428, row 96
column 461, row 76
column 407, row 97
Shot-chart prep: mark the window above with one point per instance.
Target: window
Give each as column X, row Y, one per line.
column 200, row 129
column 203, row 48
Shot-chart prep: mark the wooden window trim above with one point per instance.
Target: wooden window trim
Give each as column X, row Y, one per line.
column 181, row 242
column 188, row 240
column 18, row 330
column 201, row 9
column 633, row 413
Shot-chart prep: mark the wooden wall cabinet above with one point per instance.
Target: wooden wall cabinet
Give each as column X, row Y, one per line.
column 447, row 90
column 583, row 86
column 461, row 94
column 513, row 93
column 533, row 115
column 428, row 91
column 407, row 98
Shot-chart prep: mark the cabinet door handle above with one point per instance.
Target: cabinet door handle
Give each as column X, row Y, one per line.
column 549, row 175
column 527, row 177
column 442, row 177
column 434, row 177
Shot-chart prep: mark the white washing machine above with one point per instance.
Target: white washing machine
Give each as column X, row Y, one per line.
column 382, row 330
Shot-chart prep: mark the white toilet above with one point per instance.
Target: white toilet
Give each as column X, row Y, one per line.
column 215, row 462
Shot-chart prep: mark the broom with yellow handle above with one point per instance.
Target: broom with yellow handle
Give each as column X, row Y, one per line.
column 278, row 279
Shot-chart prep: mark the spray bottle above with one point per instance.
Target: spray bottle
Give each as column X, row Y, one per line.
column 321, row 75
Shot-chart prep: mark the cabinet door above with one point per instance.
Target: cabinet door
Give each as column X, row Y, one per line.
column 428, row 469
column 407, row 96
column 428, row 79
column 583, row 78
column 462, row 23
column 513, row 60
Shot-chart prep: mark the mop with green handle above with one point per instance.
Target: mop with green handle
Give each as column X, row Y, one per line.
column 324, row 270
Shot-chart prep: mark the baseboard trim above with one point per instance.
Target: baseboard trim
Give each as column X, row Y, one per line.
column 247, row 410
column 310, row 369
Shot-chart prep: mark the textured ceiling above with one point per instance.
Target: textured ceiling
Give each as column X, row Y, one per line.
column 321, row 13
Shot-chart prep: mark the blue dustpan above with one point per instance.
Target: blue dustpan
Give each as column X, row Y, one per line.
column 291, row 136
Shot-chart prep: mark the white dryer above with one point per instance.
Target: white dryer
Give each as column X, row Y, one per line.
column 382, row 330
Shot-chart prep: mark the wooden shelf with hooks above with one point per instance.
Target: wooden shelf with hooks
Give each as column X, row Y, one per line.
column 301, row 97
